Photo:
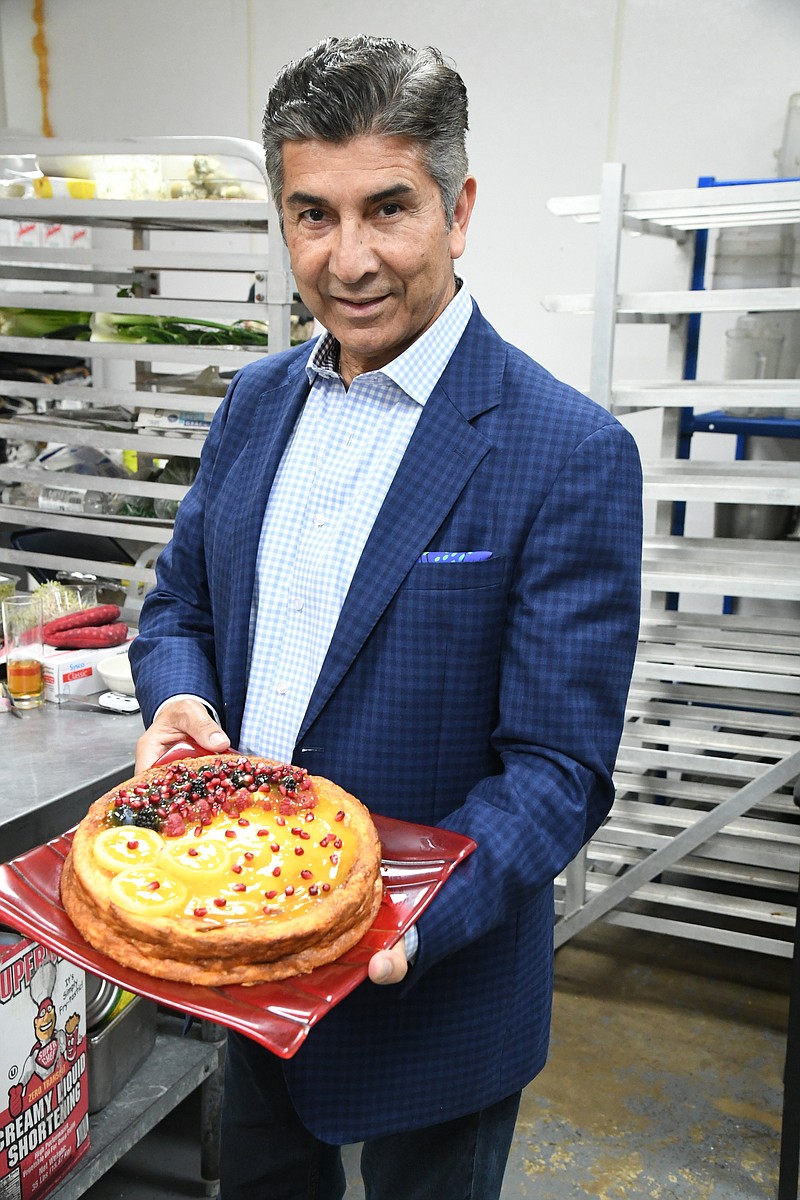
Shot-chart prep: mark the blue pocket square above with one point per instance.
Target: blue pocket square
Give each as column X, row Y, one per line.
column 454, row 556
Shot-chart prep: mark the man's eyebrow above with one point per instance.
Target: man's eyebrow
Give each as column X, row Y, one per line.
column 303, row 199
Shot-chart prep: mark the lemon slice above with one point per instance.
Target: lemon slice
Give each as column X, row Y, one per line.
column 126, row 846
column 147, row 892
column 202, row 858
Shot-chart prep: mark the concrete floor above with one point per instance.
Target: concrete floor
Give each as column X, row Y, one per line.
column 664, row 1083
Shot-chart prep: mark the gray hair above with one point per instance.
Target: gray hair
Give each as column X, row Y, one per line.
column 344, row 88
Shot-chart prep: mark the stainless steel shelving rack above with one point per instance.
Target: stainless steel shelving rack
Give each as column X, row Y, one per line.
column 703, row 840
column 155, row 248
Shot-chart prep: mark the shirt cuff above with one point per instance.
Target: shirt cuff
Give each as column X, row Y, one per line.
column 411, row 943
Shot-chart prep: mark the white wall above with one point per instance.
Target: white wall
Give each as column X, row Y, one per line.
column 674, row 88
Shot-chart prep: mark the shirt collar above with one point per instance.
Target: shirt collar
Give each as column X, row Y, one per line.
column 418, row 369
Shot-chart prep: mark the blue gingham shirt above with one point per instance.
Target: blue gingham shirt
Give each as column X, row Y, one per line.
column 332, row 480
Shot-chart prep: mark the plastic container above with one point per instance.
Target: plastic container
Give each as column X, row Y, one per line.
column 753, row 257
column 753, row 349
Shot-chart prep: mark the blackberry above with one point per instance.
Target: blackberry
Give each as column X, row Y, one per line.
column 148, row 818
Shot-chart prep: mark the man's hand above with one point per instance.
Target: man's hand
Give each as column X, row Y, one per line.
column 177, row 720
column 389, row 966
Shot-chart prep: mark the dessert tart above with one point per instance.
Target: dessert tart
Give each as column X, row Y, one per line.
column 224, row 869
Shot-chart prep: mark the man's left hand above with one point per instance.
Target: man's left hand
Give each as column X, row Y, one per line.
column 389, row 966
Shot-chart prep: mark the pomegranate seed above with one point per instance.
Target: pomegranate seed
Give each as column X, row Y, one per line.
column 274, row 847
column 276, row 871
column 280, row 820
column 296, row 832
column 306, row 874
column 289, row 891
column 201, row 912
column 309, row 816
column 230, row 833
column 299, row 850
column 198, row 829
column 220, row 901
column 338, row 843
column 242, row 821
column 237, row 868
column 326, row 887
column 132, row 844
column 270, row 895
column 249, row 855
column 154, row 885
column 313, row 890
column 339, row 816
column 263, row 833
column 334, row 858
column 192, row 852
column 240, row 887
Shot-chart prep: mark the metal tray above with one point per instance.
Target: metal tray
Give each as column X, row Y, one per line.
column 117, row 1049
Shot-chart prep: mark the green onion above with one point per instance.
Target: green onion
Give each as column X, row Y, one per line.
column 186, row 331
column 42, row 322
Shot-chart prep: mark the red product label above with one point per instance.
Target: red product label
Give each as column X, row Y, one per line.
column 80, row 673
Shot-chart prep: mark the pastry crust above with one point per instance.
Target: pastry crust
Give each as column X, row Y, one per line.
column 300, row 884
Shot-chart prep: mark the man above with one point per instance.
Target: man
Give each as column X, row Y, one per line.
column 410, row 563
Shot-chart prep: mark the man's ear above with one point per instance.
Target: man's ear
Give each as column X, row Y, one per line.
column 461, row 216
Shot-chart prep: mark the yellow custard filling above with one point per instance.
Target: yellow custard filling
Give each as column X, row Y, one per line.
column 259, row 864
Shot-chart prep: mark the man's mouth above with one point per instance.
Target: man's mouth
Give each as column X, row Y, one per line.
column 357, row 304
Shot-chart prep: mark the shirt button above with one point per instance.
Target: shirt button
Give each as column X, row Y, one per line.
column 281, row 688
column 319, row 520
column 298, row 604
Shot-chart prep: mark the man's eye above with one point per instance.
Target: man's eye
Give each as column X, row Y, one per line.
column 313, row 215
column 390, row 210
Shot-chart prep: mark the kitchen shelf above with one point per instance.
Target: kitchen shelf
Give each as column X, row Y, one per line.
column 175, row 1067
column 196, row 259
column 703, row 839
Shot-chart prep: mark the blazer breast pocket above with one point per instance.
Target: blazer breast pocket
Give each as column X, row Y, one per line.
column 456, row 576
column 460, row 606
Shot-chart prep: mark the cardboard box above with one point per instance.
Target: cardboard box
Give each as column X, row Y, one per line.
column 44, row 1094
column 72, row 672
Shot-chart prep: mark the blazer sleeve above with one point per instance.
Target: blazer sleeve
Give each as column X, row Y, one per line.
column 566, row 666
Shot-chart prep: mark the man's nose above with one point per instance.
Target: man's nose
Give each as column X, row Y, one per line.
column 352, row 254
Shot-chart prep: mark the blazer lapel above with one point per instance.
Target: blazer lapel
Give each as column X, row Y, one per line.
column 443, row 453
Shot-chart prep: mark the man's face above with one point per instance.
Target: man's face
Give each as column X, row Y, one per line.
column 370, row 249
column 45, row 1021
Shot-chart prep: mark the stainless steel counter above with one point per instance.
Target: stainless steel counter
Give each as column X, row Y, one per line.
column 53, row 763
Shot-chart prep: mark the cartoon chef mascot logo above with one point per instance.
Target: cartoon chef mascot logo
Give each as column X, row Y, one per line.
column 53, row 1049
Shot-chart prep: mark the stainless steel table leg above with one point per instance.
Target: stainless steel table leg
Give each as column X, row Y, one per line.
column 210, row 1110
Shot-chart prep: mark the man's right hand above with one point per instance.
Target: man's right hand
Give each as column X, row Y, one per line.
column 178, row 719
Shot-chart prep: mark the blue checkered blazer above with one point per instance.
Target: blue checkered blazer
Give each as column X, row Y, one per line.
column 487, row 697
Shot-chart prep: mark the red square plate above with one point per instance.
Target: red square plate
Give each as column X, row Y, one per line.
column 417, row 860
